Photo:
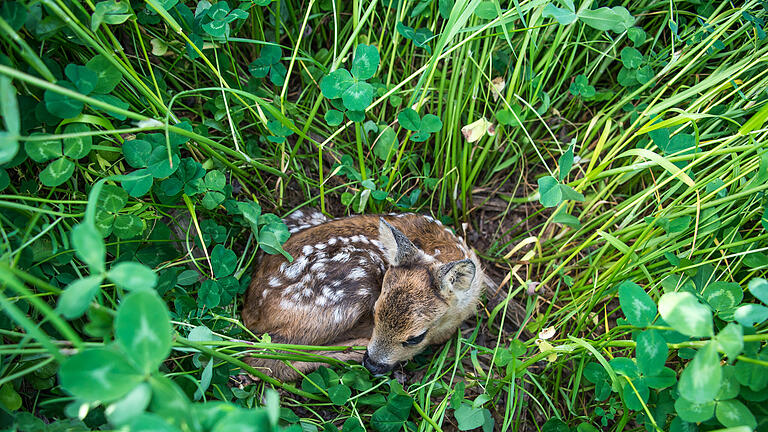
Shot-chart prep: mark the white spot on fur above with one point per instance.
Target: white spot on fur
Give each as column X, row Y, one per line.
column 297, row 214
column 321, row 276
column 307, row 249
column 320, row 246
column 338, row 316
column 296, row 268
column 317, row 266
column 341, row 257
column 356, row 273
column 379, row 245
column 274, row 281
column 338, row 295
column 321, row 301
column 307, row 292
column 363, row 292
column 332, row 241
column 264, row 293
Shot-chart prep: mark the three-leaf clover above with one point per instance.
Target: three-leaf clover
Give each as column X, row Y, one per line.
column 351, row 88
column 64, row 151
column 149, row 154
column 635, row 71
column 108, row 217
column 422, row 127
column 420, row 37
column 223, row 289
column 184, row 179
column 268, row 229
column 97, row 78
column 220, row 17
column 269, row 63
column 213, row 185
column 580, row 86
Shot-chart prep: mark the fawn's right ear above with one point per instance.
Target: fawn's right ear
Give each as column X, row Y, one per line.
column 398, row 249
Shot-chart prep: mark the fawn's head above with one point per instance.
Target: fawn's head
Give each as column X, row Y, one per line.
column 418, row 296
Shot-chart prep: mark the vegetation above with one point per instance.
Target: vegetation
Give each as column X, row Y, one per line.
column 607, row 159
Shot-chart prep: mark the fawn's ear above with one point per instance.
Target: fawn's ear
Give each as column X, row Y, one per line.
column 398, row 249
column 456, row 276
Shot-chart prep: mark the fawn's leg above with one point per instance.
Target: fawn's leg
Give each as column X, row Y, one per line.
column 279, row 370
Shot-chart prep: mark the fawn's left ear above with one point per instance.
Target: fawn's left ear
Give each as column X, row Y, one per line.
column 398, row 249
column 456, row 276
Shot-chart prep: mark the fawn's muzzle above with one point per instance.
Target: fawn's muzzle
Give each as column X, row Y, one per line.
column 374, row 367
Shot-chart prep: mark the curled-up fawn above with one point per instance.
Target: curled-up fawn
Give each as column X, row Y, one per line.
column 395, row 284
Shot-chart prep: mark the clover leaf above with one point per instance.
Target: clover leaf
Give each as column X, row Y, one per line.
column 366, row 62
column 631, row 58
column 108, row 217
column 219, row 18
column 9, row 111
column 110, row 12
column 184, row 179
column 107, row 75
column 84, row 78
column 149, row 154
column 350, row 93
column 423, row 127
column 65, row 152
column 580, row 86
column 552, row 192
column 269, row 63
column 213, row 184
column 60, row 105
column 279, row 130
column 333, row 117
column 420, row 37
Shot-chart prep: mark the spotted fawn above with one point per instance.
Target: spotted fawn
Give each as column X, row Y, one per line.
column 394, row 283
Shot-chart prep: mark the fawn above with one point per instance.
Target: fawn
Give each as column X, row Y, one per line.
column 395, row 284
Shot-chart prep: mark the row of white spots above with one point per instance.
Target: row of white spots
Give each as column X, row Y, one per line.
column 306, row 221
column 298, row 214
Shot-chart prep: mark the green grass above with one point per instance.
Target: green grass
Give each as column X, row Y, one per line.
column 647, row 148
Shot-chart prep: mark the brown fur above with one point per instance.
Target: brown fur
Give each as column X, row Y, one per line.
column 402, row 298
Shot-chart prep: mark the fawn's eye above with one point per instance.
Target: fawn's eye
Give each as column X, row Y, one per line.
column 415, row 340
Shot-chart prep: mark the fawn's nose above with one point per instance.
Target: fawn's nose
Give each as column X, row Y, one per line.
column 374, row 367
